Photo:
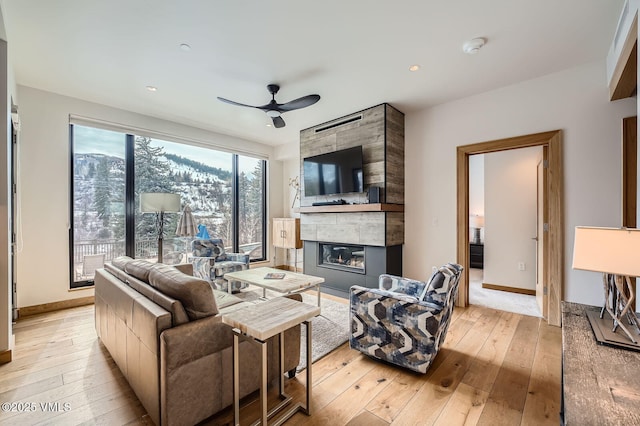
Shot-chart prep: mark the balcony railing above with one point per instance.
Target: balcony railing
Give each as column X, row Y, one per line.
column 175, row 250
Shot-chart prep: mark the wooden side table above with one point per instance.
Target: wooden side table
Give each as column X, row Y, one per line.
column 257, row 324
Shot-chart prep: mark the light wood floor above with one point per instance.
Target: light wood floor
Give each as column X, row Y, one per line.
column 495, row 368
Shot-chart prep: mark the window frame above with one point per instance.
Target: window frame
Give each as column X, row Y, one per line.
column 130, row 207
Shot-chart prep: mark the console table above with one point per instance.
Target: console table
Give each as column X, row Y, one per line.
column 257, row 324
column 600, row 384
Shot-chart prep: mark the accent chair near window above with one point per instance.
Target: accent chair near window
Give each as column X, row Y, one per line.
column 211, row 262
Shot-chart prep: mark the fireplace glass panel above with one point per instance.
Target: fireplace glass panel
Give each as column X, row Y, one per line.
column 342, row 256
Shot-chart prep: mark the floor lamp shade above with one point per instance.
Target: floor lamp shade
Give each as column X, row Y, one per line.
column 607, row 250
column 155, row 202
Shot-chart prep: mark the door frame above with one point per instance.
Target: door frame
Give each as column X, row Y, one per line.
column 554, row 268
column 542, row 245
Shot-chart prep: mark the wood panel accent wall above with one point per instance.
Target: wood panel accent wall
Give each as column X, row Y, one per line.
column 380, row 132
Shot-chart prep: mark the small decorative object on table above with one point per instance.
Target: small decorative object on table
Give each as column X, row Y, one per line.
column 274, row 276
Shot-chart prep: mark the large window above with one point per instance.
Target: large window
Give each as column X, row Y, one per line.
column 225, row 192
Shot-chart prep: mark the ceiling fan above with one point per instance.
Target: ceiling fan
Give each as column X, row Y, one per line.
column 274, row 109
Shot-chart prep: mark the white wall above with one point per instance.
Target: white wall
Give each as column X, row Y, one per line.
column 476, row 191
column 574, row 100
column 476, row 184
column 289, row 155
column 43, row 271
column 510, row 217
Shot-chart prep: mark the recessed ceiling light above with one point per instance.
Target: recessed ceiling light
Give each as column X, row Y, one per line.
column 414, row 67
column 152, row 88
column 269, row 125
column 473, row 46
column 185, row 47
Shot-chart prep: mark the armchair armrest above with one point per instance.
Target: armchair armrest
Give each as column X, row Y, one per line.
column 237, row 257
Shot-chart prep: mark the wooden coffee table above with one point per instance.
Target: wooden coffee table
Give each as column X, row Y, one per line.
column 293, row 282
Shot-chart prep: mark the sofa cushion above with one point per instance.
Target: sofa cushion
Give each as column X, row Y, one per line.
column 121, row 261
column 140, row 269
column 178, row 313
column 195, row 294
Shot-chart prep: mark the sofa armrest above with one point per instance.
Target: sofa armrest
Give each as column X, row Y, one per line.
column 196, row 368
column 187, row 342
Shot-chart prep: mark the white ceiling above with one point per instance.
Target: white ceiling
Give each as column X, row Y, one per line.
column 353, row 53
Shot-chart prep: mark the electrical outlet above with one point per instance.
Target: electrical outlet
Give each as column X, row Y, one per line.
column 521, row 266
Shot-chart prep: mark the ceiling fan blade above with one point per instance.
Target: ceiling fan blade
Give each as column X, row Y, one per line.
column 302, row 102
column 278, row 122
column 235, row 103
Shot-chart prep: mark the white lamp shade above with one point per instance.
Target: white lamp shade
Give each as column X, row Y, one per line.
column 608, row 250
column 154, row 202
column 476, row 221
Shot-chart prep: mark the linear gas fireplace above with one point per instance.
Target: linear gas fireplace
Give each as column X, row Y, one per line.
column 342, row 256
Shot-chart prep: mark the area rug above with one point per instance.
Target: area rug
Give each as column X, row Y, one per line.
column 328, row 331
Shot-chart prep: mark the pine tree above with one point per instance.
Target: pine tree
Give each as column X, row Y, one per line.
column 102, row 191
column 152, row 175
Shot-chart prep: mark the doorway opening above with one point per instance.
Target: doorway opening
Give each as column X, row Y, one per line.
column 503, row 230
column 553, row 241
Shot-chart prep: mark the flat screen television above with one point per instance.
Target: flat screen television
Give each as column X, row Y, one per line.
column 337, row 172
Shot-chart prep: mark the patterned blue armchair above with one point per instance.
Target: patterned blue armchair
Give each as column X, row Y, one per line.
column 211, row 262
column 404, row 322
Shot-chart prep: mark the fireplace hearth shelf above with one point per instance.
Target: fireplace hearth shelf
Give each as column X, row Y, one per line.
column 345, row 208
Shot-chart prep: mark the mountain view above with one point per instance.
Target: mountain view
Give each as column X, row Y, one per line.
column 99, row 194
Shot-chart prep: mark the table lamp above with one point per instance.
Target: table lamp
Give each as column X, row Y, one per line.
column 616, row 253
column 159, row 203
column 476, row 222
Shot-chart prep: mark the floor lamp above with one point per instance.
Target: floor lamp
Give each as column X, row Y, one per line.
column 616, row 253
column 159, row 203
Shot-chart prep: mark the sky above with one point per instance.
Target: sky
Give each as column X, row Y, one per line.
column 89, row 140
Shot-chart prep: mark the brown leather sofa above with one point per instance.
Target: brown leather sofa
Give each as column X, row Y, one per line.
column 163, row 328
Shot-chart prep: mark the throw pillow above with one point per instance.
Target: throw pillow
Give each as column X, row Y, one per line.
column 195, row 294
column 401, row 285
